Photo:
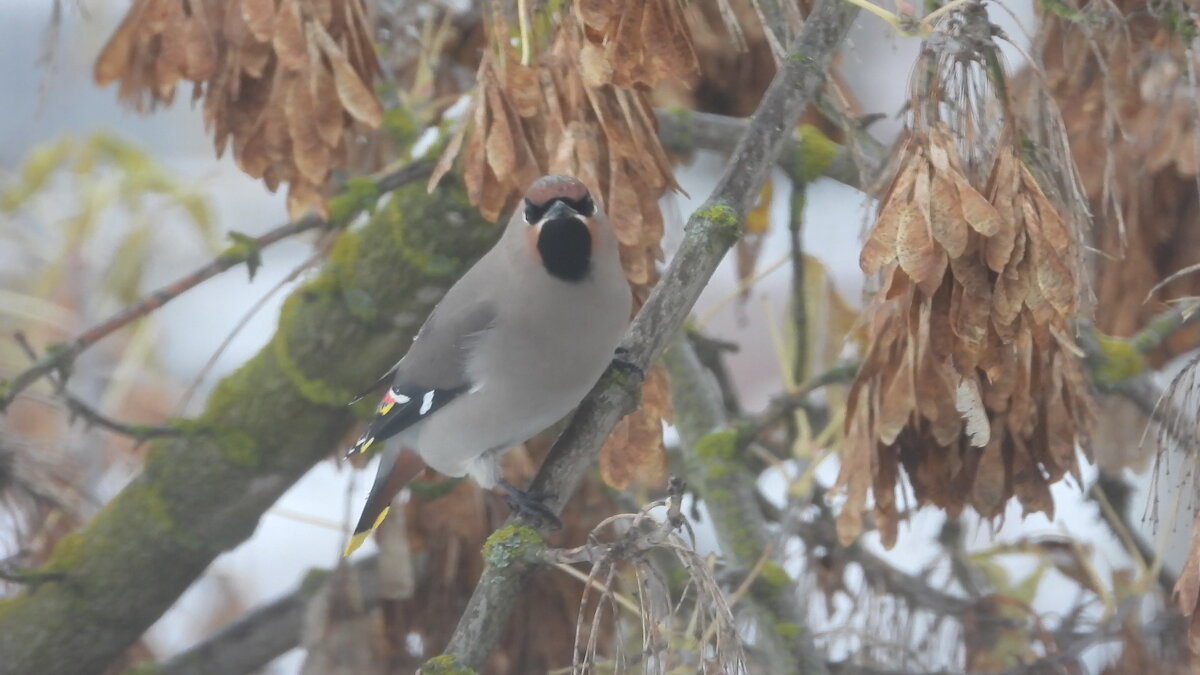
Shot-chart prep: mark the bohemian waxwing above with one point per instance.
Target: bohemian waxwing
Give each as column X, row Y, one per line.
column 513, row 347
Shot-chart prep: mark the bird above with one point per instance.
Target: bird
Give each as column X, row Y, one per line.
column 509, row 350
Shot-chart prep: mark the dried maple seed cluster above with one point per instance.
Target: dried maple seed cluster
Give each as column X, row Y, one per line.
column 970, row 380
column 286, row 82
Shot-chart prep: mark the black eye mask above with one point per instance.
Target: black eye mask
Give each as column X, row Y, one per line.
column 584, row 206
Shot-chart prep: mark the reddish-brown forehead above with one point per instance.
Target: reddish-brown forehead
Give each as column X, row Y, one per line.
column 555, row 187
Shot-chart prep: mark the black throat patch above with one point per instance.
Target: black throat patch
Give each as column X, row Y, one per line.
column 566, row 248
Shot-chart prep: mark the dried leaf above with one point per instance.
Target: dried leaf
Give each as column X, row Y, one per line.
column 969, row 403
column 289, row 36
column 356, row 97
column 259, row 16
column 595, row 67
column 918, row 256
column 980, row 214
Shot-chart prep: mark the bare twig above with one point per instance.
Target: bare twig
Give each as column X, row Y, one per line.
column 878, row 572
column 684, row 131
column 77, row 408
column 710, row 232
column 60, row 357
column 784, row 405
column 1112, row 493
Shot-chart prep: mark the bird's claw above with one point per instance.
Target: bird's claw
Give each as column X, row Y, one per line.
column 530, row 505
column 622, row 363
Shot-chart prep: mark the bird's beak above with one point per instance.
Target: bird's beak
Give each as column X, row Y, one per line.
column 557, row 210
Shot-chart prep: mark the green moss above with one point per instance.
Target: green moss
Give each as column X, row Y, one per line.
column 418, row 258
column 143, row 668
column 236, row 446
column 68, row 554
column 510, row 544
column 1179, row 22
column 358, row 194
column 310, row 389
column 239, row 448
column 1062, row 9
column 775, row 576
column 716, row 452
column 313, row 580
column 738, row 540
column 787, row 629
column 344, row 254
column 1119, row 360
column 798, row 57
column 721, row 218
column 722, row 478
column 152, row 505
column 401, row 126
column 683, row 141
column 444, row 664
column 13, row 604
column 815, row 154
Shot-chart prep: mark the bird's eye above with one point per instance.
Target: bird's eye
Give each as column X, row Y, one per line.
column 586, row 207
column 533, row 212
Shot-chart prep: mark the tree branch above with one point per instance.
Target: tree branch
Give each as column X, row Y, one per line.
column 252, row 640
column 263, row 427
column 710, row 232
column 684, row 131
column 877, row 571
column 729, row 491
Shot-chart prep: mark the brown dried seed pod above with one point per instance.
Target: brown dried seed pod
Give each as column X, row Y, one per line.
column 968, row 380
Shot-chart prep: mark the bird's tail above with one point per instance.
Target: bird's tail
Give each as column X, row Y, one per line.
column 394, row 473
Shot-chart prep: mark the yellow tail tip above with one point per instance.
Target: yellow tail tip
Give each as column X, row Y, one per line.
column 355, row 541
column 359, row 537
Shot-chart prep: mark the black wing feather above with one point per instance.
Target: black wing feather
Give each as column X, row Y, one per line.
column 400, row 409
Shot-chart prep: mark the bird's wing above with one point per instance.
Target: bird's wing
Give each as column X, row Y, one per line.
column 434, row 371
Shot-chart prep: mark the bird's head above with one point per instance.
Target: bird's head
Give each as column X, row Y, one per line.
column 563, row 226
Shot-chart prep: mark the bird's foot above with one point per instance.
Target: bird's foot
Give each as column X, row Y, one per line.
column 530, row 505
column 622, row 363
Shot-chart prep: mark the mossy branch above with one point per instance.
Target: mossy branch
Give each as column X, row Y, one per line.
column 203, row 493
column 717, row 470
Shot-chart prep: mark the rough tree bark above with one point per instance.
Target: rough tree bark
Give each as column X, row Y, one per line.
column 263, row 427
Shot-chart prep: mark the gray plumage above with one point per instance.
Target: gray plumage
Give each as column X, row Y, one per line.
column 513, row 346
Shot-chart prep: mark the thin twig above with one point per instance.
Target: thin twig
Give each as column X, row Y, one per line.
column 60, row 357
column 784, row 405
column 77, row 408
column 877, row 571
